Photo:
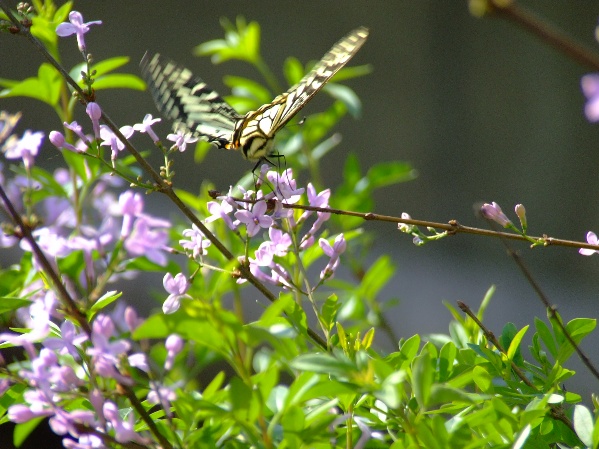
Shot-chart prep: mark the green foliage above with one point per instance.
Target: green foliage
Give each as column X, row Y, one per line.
column 275, row 385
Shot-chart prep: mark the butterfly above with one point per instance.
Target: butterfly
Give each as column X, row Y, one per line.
column 198, row 111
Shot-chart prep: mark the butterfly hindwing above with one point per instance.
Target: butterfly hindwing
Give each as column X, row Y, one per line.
column 194, row 108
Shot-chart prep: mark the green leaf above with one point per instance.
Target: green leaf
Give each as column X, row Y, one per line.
column 388, row 173
column 8, row 304
column 446, row 394
column 447, row 357
column 482, row 379
column 62, row 13
column 347, row 96
column 106, row 299
column 45, row 87
column 546, row 336
column 522, row 437
column 514, row 348
column 328, row 312
column 240, row 394
column 119, row 81
column 322, row 363
column 245, row 87
column 391, row 390
column 376, row 278
column 300, row 387
column 583, row 424
column 108, row 65
column 293, row 70
column 422, row 379
column 23, row 430
column 325, row 146
column 45, row 31
column 356, row 71
column 410, row 347
column 201, row 150
column 578, row 328
column 242, row 42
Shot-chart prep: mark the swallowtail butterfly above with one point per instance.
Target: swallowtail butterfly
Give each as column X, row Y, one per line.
column 198, row 111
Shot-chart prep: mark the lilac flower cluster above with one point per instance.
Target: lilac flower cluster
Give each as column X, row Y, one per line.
column 257, row 212
column 55, row 377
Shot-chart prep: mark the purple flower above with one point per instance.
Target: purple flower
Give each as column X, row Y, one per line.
column 494, row 212
column 131, row 205
column 25, row 148
column 140, row 361
column 106, row 353
column 591, row 240
column 69, row 341
column 110, row 139
column 146, row 127
column 20, row 413
column 144, row 240
column 590, row 89
column 280, row 240
column 177, row 288
column 181, row 140
column 521, row 213
column 49, row 241
column 76, row 27
column 124, row 430
column 333, row 252
column 77, row 129
column 131, row 318
column 58, row 140
column 86, row 441
column 95, row 114
column 221, row 210
column 173, row 345
column 197, row 242
column 285, row 186
column 162, row 395
column 255, row 219
column 64, row 422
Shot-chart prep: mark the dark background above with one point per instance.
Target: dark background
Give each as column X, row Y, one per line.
column 482, row 109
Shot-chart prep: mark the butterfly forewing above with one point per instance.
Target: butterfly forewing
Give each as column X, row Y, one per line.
column 254, row 135
column 297, row 96
column 184, row 98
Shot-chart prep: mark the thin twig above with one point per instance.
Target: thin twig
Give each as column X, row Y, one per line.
column 546, row 31
column 550, row 308
column 453, row 227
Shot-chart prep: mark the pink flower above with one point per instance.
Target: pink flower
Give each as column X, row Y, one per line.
column 76, row 27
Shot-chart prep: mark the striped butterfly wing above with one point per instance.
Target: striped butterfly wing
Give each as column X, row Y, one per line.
column 254, row 135
column 194, row 108
column 199, row 111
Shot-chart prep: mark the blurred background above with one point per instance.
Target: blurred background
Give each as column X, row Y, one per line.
column 483, row 110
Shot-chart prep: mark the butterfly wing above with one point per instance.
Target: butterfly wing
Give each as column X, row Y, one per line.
column 255, row 133
column 297, row 96
column 186, row 99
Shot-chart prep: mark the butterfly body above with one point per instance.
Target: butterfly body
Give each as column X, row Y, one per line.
column 198, row 111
